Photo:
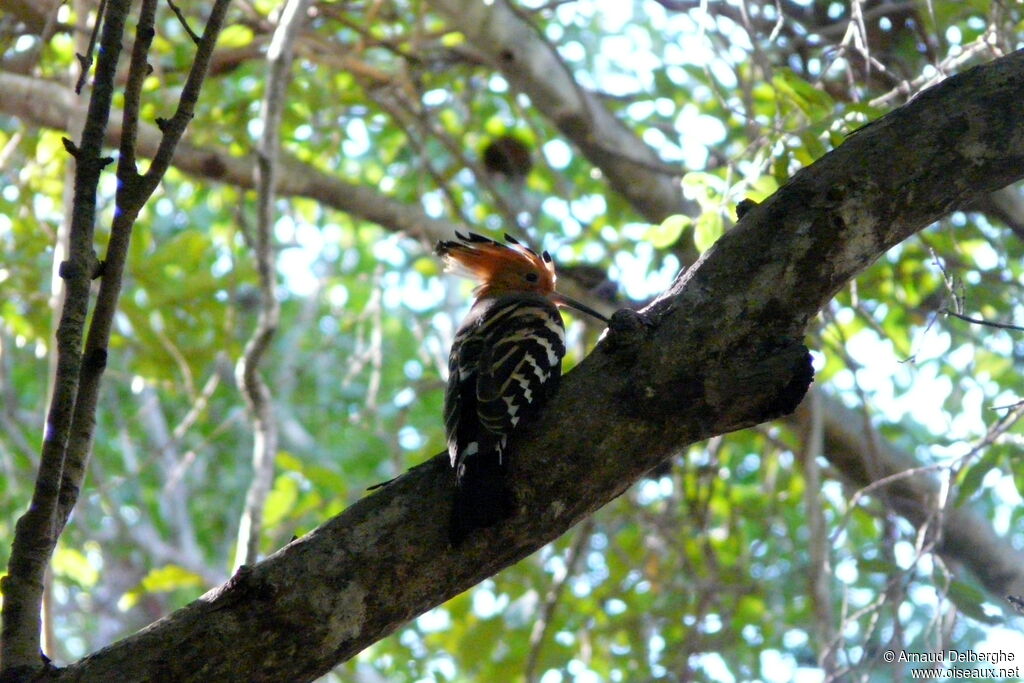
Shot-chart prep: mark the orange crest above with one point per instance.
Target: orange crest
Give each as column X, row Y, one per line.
column 499, row 268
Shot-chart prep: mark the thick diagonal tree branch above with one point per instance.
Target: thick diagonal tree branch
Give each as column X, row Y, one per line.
column 721, row 350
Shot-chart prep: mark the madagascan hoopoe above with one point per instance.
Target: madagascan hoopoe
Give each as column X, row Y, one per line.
column 505, row 362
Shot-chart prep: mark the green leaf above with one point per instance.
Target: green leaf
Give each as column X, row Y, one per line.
column 280, row 500
column 453, row 39
column 814, row 103
column 235, row 35
column 168, row 578
column 708, row 229
column 762, row 188
column 668, row 231
column 707, row 188
column 288, row 462
column 72, row 564
column 813, row 146
column 969, row 601
column 876, row 566
column 750, row 609
column 164, row 579
column 426, row 266
column 971, row 477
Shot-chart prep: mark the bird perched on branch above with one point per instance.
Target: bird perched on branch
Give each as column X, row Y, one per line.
column 505, row 362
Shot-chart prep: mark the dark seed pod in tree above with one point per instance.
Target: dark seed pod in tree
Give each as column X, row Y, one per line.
column 508, row 156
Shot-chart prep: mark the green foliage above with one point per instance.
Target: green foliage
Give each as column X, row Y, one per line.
column 164, row 579
column 669, row 231
column 700, row 573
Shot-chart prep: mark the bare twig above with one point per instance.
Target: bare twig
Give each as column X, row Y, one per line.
column 820, row 570
column 173, row 499
column 174, row 128
column 907, row 88
column 540, row 627
column 184, row 22
column 199, row 403
column 254, row 389
column 986, row 323
column 85, row 60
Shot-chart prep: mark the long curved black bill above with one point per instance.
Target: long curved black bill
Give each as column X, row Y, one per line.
column 564, row 300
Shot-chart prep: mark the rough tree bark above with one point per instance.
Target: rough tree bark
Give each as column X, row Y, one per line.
column 71, row 418
column 721, row 350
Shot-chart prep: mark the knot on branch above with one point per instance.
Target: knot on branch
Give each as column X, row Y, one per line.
column 75, row 151
column 244, row 584
column 96, row 360
column 744, row 207
column 70, row 146
column 765, row 383
column 67, row 270
column 71, row 269
column 627, row 331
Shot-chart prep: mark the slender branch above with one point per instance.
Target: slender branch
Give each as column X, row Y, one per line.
column 85, row 60
column 907, row 88
column 986, row 323
column 542, row 626
column 812, row 444
column 36, row 532
column 174, row 128
column 184, row 22
column 173, row 500
column 131, row 197
column 254, row 388
column 138, row 69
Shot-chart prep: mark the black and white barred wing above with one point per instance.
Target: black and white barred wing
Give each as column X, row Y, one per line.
column 520, row 363
column 460, row 419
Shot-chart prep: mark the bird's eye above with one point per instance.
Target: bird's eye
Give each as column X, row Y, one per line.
column 532, row 277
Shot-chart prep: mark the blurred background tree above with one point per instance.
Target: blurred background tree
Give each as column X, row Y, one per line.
column 752, row 556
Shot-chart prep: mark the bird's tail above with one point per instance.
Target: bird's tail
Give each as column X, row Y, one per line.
column 482, row 496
